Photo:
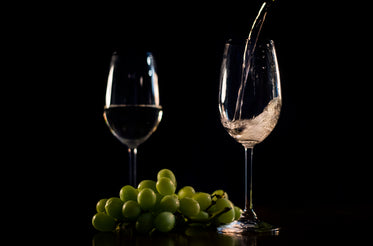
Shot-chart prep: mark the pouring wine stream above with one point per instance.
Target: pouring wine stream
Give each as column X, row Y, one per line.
column 248, row 53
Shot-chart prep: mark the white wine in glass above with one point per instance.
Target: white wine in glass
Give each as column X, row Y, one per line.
column 249, row 105
column 132, row 109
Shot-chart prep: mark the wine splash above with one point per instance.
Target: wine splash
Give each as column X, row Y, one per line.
column 250, row 132
column 248, row 53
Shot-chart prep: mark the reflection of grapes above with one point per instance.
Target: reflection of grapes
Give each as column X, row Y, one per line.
column 153, row 205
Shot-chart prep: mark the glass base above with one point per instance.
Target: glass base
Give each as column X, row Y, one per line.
column 243, row 226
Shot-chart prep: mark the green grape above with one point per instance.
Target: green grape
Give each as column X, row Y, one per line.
column 189, row 207
column 147, row 184
column 146, row 198
column 155, row 205
column 164, row 222
column 103, row 222
column 113, row 207
column 237, row 212
column 204, row 199
column 186, row 191
column 131, row 210
column 128, row 193
column 169, row 203
column 228, row 216
column 168, row 174
column 202, row 215
column 165, row 186
column 100, row 206
column 219, row 194
column 144, row 223
column 158, row 198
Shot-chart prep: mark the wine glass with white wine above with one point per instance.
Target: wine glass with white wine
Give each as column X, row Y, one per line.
column 132, row 109
column 249, row 105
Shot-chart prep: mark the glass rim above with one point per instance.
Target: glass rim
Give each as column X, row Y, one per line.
column 242, row 42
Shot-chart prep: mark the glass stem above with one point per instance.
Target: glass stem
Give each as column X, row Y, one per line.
column 132, row 152
column 249, row 213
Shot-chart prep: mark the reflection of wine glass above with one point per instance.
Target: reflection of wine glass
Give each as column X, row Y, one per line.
column 132, row 110
column 249, row 105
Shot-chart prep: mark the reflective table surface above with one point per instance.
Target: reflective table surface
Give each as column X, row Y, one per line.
column 317, row 225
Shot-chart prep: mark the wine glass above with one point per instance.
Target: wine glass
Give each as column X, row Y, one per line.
column 132, row 109
column 249, row 106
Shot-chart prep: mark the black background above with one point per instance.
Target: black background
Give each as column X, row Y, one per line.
column 319, row 152
column 316, row 153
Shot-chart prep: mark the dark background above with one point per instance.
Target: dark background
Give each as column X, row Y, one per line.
column 316, row 154
column 319, row 152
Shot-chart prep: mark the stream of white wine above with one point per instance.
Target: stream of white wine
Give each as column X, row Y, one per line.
column 248, row 55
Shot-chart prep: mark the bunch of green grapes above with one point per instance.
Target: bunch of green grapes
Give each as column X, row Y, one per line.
column 154, row 205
